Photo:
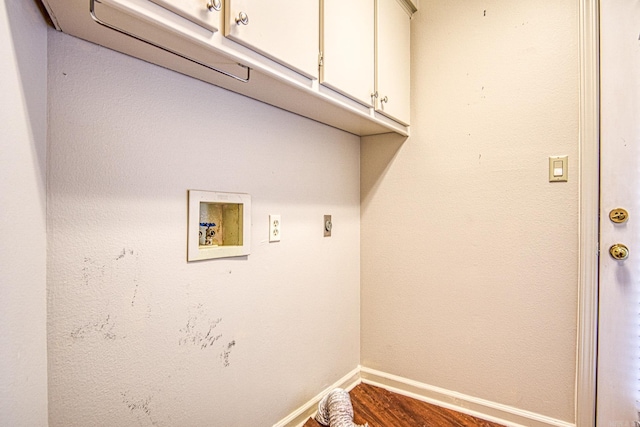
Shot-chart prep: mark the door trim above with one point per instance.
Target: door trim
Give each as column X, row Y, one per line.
column 589, row 148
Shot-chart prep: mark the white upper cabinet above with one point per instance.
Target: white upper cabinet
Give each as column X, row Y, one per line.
column 347, row 46
column 286, row 31
column 269, row 50
column 393, row 57
column 206, row 13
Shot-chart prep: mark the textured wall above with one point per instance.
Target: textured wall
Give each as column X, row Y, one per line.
column 23, row 121
column 469, row 254
column 138, row 336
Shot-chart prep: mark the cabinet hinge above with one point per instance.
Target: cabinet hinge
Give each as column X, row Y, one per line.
column 320, row 59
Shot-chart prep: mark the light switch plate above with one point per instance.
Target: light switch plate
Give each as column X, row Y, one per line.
column 558, row 168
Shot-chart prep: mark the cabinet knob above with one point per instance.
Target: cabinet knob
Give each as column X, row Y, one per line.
column 383, row 100
column 242, row 18
column 214, row 5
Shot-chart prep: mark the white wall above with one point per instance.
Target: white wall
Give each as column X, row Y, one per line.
column 138, row 336
column 23, row 119
column 469, row 254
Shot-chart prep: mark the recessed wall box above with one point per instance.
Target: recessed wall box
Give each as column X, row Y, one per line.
column 219, row 225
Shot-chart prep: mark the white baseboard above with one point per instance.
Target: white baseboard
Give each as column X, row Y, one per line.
column 302, row 414
column 487, row 410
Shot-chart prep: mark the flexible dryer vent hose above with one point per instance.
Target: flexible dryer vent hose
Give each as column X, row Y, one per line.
column 335, row 410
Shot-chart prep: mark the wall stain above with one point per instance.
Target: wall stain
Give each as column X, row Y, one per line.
column 101, row 274
column 200, row 329
column 120, row 256
column 124, row 252
column 139, row 406
column 135, row 292
column 102, row 327
column 90, row 270
column 226, row 352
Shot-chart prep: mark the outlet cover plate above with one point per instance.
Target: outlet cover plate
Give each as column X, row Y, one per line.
column 274, row 228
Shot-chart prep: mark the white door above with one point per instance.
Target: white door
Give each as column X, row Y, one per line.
column 207, row 13
column 619, row 294
column 347, row 44
column 286, row 31
column 393, row 60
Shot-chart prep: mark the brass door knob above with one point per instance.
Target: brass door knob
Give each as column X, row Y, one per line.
column 619, row 252
column 619, row 215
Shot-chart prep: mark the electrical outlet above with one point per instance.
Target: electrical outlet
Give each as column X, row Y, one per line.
column 274, row 228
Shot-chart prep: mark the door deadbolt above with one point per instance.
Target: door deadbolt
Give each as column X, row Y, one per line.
column 619, row 215
column 619, row 252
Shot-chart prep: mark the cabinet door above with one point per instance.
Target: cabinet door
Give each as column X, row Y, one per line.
column 206, row 13
column 286, row 31
column 347, row 45
column 393, row 58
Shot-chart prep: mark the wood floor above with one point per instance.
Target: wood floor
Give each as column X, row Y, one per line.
column 381, row 408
